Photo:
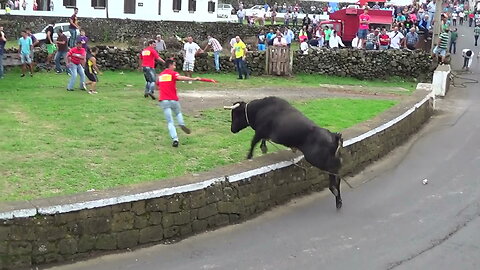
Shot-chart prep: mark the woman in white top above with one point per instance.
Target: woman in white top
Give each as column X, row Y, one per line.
column 356, row 44
column 304, row 46
column 335, row 40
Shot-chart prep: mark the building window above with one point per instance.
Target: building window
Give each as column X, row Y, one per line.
column 98, row 3
column 192, row 5
column 211, row 6
column 159, row 7
column 177, row 5
column 129, row 6
column 70, row 3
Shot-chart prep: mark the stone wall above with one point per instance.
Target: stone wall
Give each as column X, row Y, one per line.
column 62, row 237
column 344, row 62
column 365, row 64
column 131, row 31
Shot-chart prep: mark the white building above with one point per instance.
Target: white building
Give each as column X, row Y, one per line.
column 155, row 10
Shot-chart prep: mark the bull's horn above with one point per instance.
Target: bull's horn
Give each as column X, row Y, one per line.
column 232, row 107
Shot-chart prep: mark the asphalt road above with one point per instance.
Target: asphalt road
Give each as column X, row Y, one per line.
column 390, row 220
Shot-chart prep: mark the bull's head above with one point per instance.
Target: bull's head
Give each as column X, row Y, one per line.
column 239, row 121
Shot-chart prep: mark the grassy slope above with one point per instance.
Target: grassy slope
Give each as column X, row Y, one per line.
column 54, row 142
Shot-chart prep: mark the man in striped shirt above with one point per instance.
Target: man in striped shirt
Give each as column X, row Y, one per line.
column 441, row 49
column 217, row 49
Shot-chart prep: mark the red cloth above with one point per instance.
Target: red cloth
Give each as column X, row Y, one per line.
column 207, row 80
column 149, row 55
column 73, row 54
column 167, row 85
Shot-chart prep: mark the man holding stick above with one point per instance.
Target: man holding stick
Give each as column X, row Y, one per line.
column 168, row 99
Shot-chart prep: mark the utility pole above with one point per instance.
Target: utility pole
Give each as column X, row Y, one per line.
column 437, row 20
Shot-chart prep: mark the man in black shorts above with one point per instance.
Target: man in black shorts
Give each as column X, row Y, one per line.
column 91, row 70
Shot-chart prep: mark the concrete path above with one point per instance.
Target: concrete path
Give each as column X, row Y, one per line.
column 390, row 220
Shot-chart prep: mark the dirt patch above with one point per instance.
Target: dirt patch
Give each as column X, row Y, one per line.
column 198, row 100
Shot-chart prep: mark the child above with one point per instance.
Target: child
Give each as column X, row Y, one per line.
column 467, row 59
column 91, row 70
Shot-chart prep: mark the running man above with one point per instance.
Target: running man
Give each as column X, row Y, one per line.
column 147, row 63
column 91, row 70
column 25, row 50
column 167, row 87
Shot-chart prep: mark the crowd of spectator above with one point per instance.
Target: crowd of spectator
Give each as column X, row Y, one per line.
column 411, row 29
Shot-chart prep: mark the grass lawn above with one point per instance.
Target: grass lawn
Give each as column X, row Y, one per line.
column 57, row 142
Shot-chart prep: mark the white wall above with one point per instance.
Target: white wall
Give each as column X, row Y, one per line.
column 149, row 11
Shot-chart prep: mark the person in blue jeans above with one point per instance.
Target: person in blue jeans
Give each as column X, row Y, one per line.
column 62, row 51
column 167, row 87
column 3, row 41
column 25, row 52
column 73, row 28
column 75, row 60
column 239, row 53
column 217, row 49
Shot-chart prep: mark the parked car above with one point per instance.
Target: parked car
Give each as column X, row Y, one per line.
column 253, row 11
column 42, row 36
column 225, row 10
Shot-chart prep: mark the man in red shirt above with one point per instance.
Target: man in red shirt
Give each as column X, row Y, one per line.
column 147, row 63
column 75, row 61
column 167, row 87
column 384, row 39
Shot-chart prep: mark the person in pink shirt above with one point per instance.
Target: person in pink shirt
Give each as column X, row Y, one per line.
column 364, row 25
column 413, row 17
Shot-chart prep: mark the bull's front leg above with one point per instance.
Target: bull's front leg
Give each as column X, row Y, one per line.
column 255, row 140
column 263, row 146
column 335, row 189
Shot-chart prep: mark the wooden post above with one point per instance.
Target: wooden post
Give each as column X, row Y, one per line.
column 437, row 20
column 267, row 64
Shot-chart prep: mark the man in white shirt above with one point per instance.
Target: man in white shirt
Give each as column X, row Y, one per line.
column 335, row 40
column 467, row 58
column 396, row 38
column 304, row 46
column 261, row 17
column 232, row 44
column 356, row 44
column 217, row 49
column 279, row 41
column 190, row 49
column 240, row 15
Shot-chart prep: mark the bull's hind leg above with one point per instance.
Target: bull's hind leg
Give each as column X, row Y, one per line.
column 335, row 189
column 263, row 146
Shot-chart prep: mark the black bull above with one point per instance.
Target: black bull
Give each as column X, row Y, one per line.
column 275, row 119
